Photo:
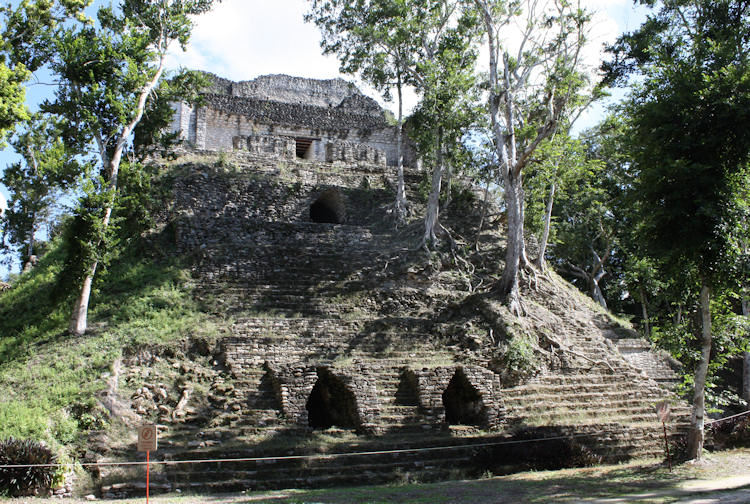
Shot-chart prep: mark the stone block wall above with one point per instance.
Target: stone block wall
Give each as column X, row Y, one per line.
column 274, row 146
column 639, row 352
column 321, row 111
column 296, row 383
column 433, row 382
column 350, row 152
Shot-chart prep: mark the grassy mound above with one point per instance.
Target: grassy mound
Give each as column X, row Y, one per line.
column 50, row 381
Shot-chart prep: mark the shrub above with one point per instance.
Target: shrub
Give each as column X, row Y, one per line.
column 25, row 481
column 519, row 361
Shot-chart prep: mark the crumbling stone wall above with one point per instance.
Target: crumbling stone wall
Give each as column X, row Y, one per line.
column 297, row 381
column 351, row 152
column 270, row 145
column 288, row 89
column 321, row 111
column 433, row 383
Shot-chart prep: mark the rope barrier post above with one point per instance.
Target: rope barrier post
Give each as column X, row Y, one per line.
column 147, row 437
column 662, row 411
column 666, row 445
column 148, row 467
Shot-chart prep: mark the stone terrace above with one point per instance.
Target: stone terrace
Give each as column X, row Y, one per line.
column 342, row 327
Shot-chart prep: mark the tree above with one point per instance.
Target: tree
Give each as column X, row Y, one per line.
column 689, row 141
column 23, row 50
column 393, row 43
column 586, row 226
column 530, row 89
column 107, row 74
column 47, row 168
column 373, row 38
column 447, row 85
column 551, row 174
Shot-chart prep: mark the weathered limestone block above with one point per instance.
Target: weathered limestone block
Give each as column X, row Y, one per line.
column 434, row 382
column 352, row 152
column 266, row 145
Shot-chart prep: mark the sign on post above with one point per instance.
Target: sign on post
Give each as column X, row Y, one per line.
column 147, row 438
column 147, row 442
column 662, row 411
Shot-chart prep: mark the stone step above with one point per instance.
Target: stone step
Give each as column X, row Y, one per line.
column 565, row 407
column 579, row 393
column 616, row 415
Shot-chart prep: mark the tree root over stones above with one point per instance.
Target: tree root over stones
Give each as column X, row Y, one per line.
column 566, row 349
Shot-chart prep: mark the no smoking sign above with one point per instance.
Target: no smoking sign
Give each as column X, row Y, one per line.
column 147, row 438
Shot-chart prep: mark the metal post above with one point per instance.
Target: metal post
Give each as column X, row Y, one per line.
column 666, row 445
column 148, row 467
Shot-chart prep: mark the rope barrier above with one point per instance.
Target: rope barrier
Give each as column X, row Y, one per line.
column 711, row 422
column 305, row 457
column 326, row 455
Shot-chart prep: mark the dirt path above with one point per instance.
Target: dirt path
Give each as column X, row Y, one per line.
column 707, row 491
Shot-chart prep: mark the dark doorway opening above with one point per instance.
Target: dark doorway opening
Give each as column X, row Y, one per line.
column 331, row 403
column 269, row 391
column 304, row 147
column 463, row 402
column 329, row 207
column 407, row 393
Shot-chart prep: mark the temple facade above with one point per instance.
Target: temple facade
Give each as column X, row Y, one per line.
column 292, row 117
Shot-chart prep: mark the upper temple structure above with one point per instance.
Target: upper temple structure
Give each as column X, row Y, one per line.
column 291, row 117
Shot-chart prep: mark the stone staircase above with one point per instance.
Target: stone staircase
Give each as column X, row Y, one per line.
column 350, row 307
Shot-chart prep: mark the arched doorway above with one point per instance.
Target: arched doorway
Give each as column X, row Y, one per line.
column 407, row 393
column 463, row 402
column 329, row 207
column 331, row 403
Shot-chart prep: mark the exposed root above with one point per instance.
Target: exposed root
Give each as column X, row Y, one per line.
column 566, row 349
column 515, row 304
column 533, row 275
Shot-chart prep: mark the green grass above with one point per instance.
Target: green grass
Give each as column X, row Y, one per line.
column 49, row 379
column 644, row 481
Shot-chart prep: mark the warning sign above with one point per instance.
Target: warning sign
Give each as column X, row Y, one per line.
column 662, row 411
column 147, row 438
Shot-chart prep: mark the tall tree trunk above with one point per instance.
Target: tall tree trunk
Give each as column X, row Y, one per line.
column 30, row 249
column 746, row 356
column 79, row 317
column 485, row 201
column 509, row 282
column 541, row 262
column 433, row 203
column 746, row 379
column 696, row 435
column 401, row 188
column 448, row 182
column 596, row 291
column 644, row 312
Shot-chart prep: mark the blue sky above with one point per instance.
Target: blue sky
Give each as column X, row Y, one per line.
column 242, row 39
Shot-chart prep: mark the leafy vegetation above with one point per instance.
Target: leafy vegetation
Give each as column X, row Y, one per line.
column 24, row 481
column 46, row 373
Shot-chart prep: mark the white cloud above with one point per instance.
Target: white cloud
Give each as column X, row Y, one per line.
column 242, row 39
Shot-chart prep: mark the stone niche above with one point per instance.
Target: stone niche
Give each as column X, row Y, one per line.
column 463, row 403
column 331, row 403
column 461, row 395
